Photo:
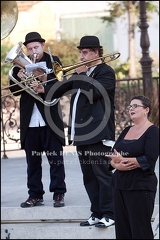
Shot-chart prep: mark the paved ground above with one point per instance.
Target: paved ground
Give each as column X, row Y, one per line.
column 13, row 180
column 14, row 191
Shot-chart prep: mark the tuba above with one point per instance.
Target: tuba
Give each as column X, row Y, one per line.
column 19, row 59
column 9, row 17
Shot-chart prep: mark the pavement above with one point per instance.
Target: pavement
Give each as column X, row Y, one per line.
column 44, row 222
column 14, row 178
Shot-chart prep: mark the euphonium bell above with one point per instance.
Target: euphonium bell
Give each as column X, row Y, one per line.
column 17, row 56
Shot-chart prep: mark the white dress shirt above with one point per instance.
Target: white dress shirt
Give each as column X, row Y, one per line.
column 36, row 118
column 74, row 114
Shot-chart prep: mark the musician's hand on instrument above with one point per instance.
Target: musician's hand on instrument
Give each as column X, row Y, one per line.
column 43, row 78
column 37, row 87
column 21, row 73
column 81, row 69
column 40, row 74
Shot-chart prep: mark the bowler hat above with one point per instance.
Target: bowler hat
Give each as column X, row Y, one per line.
column 33, row 37
column 89, row 42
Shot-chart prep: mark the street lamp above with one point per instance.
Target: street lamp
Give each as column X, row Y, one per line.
column 146, row 60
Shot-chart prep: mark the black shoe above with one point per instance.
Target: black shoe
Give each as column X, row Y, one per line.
column 104, row 222
column 32, row 202
column 58, row 200
column 91, row 221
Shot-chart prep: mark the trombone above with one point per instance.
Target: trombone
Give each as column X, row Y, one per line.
column 60, row 71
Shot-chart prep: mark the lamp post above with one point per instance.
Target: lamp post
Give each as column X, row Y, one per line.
column 146, row 60
column 3, row 139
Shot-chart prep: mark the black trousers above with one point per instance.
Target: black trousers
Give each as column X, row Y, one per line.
column 133, row 212
column 97, row 178
column 39, row 140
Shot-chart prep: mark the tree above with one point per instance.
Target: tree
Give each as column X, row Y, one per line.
column 119, row 9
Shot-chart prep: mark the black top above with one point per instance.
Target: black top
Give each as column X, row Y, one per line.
column 146, row 151
column 94, row 119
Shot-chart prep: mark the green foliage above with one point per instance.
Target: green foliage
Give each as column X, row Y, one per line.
column 152, row 6
column 115, row 10
column 122, row 70
column 118, row 9
column 65, row 49
column 4, row 67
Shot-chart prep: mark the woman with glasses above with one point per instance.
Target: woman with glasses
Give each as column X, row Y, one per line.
column 134, row 180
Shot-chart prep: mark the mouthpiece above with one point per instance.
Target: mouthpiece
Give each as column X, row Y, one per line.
column 34, row 57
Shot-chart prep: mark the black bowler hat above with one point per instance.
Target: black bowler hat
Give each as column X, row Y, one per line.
column 89, row 42
column 33, row 37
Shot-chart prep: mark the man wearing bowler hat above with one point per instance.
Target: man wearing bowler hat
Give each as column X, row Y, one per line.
column 98, row 115
column 38, row 133
column 92, row 126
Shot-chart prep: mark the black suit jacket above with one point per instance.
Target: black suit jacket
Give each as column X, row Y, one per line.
column 52, row 115
column 95, row 119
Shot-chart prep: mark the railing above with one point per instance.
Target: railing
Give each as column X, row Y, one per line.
column 125, row 90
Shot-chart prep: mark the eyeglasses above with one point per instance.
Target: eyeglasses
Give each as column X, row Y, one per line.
column 85, row 52
column 134, row 106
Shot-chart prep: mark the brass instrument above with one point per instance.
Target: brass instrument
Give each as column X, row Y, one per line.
column 17, row 56
column 60, row 71
column 9, row 17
